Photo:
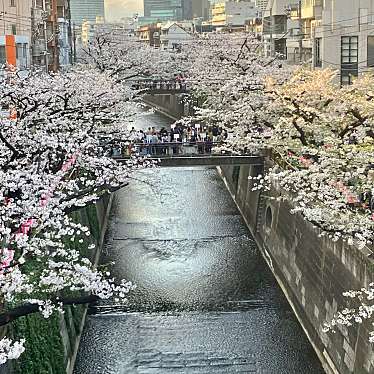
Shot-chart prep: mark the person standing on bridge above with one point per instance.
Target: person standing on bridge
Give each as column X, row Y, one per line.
column 148, row 139
column 215, row 133
column 149, row 135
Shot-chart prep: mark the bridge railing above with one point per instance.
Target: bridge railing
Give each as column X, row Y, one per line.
column 160, row 85
column 170, row 149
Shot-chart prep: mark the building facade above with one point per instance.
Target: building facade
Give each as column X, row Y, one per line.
column 322, row 33
column 342, row 37
column 15, row 33
column 173, row 36
column 52, row 34
column 92, row 11
column 162, row 10
column 200, row 9
column 232, row 13
column 150, row 34
column 279, row 28
column 261, row 4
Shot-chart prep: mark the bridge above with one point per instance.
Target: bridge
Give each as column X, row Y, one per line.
column 179, row 154
column 159, row 87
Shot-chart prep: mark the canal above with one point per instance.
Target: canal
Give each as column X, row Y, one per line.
column 205, row 300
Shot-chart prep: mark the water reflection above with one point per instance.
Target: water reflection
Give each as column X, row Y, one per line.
column 206, row 301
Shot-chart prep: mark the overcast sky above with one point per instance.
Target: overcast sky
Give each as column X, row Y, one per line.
column 115, row 9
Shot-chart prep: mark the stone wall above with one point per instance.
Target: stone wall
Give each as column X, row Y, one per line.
column 170, row 105
column 312, row 271
column 52, row 344
column 71, row 328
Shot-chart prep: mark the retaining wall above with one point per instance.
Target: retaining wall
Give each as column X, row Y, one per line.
column 312, row 271
column 171, row 106
column 52, row 344
column 71, row 331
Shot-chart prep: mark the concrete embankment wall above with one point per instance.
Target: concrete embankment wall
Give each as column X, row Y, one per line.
column 52, row 344
column 71, row 332
column 312, row 271
column 170, row 105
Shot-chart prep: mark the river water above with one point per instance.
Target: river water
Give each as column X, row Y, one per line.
column 205, row 302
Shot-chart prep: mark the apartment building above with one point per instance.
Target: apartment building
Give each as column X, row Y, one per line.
column 278, row 29
column 52, row 34
column 200, row 9
column 232, row 13
column 343, row 37
column 261, row 4
column 15, row 33
column 337, row 34
column 150, row 34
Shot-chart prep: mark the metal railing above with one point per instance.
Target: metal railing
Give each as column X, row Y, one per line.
column 170, row 149
column 160, row 86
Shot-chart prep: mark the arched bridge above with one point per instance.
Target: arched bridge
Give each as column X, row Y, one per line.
column 184, row 154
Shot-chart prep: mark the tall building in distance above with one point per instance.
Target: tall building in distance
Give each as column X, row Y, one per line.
column 200, row 9
column 168, row 9
column 87, row 10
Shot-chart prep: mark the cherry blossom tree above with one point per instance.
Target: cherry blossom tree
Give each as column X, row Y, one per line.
column 126, row 58
column 55, row 159
column 320, row 137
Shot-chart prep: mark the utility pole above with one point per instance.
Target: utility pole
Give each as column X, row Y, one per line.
column 271, row 28
column 71, row 32
column 46, row 60
column 74, row 45
column 55, row 54
column 300, row 32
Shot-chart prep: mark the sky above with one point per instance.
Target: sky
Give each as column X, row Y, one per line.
column 115, row 9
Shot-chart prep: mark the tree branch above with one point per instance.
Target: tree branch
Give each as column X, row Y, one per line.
column 26, row 309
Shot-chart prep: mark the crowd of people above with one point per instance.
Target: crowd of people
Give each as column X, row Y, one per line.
column 152, row 141
column 170, row 85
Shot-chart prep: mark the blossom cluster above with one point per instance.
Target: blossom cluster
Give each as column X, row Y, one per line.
column 55, row 158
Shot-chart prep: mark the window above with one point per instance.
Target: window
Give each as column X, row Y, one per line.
column 370, row 51
column 14, row 29
column 317, row 53
column 18, row 51
column 12, row 2
column 2, row 55
column 349, row 59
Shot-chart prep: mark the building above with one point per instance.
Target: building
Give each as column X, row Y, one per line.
column 92, row 11
column 150, row 34
column 279, row 28
column 64, row 33
column 200, row 9
column 327, row 35
column 15, row 33
column 342, row 37
column 163, row 10
column 232, row 13
column 261, row 4
column 52, row 34
column 173, row 36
